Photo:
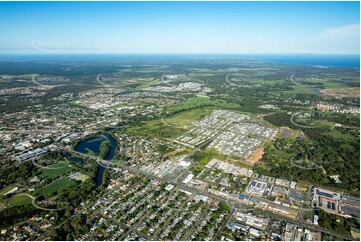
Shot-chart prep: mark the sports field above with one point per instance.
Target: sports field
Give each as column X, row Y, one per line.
column 20, row 200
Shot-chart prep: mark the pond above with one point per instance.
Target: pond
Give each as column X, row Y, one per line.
column 92, row 145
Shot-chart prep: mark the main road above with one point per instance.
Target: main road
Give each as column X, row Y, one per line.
column 235, row 204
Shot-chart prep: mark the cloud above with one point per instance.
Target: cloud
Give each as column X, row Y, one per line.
column 343, row 32
column 37, row 46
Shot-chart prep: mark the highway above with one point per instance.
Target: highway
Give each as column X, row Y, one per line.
column 294, row 82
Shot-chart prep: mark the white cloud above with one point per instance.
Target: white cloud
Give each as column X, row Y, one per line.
column 37, row 45
column 343, row 32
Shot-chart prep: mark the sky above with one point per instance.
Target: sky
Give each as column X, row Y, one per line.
column 180, row 27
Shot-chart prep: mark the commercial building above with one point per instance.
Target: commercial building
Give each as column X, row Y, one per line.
column 257, row 187
column 336, row 202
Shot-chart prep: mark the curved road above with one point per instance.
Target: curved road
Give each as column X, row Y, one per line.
column 306, row 168
column 45, row 167
column 231, row 83
column 37, row 206
column 37, row 83
column 104, row 84
column 302, row 126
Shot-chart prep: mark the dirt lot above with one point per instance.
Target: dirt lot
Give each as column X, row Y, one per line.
column 255, row 156
column 352, row 92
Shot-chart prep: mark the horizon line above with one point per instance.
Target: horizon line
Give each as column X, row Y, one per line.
column 175, row 53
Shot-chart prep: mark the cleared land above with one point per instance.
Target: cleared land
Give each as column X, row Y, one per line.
column 352, row 92
column 255, row 156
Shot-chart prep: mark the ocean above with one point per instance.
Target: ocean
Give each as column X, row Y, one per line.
column 352, row 61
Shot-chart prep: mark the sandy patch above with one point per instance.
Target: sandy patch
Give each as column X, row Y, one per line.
column 255, row 156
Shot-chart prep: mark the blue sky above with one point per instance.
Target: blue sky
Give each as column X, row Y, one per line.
column 180, row 27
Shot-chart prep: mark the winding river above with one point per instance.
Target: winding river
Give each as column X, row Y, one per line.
column 93, row 145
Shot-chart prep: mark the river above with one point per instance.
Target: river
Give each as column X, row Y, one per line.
column 93, row 145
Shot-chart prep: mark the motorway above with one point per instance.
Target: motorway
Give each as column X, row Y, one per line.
column 294, row 82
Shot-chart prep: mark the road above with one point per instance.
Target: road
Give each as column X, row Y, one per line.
column 234, row 203
column 47, row 167
column 105, row 84
column 302, row 126
column 37, row 206
column 34, row 131
column 301, row 85
column 102, row 83
column 294, row 82
column 225, row 223
column 231, row 83
column 36, row 82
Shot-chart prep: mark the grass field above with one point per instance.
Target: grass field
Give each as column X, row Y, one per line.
column 25, row 76
column 184, row 119
column 53, row 187
column 205, row 156
column 63, row 166
column 299, row 89
column 338, row 135
column 147, row 84
column 155, row 128
column 75, row 102
column 20, row 200
column 197, row 102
